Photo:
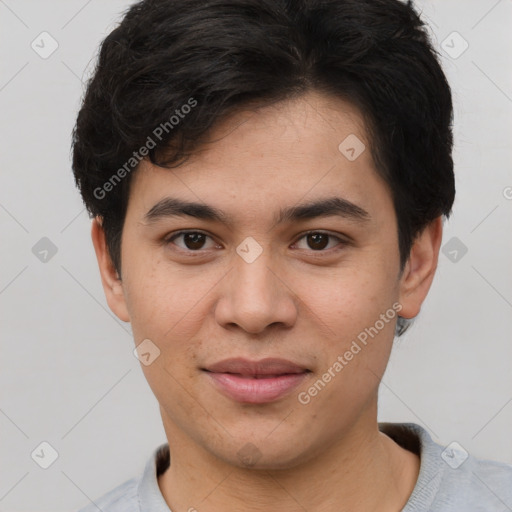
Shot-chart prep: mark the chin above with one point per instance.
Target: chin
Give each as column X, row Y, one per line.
column 261, row 455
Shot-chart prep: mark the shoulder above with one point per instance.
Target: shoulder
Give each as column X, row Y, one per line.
column 137, row 494
column 484, row 481
column 466, row 479
column 477, row 485
column 123, row 498
column 450, row 479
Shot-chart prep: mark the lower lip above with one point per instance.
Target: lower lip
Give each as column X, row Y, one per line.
column 256, row 391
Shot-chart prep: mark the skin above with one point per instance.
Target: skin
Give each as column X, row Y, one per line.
column 294, row 302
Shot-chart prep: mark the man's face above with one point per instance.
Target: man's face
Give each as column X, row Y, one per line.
column 254, row 288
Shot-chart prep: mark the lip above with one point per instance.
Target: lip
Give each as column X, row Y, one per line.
column 256, row 382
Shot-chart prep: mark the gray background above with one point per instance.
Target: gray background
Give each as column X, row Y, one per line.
column 68, row 373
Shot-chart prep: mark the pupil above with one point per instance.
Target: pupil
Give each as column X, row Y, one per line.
column 194, row 240
column 315, row 241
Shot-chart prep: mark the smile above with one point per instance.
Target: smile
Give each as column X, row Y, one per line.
column 255, row 382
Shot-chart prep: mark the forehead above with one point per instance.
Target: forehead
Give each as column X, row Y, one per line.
column 272, row 155
column 313, row 124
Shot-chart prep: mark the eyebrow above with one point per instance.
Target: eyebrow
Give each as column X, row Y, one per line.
column 332, row 206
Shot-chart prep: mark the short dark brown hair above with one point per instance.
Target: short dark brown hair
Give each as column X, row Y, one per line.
column 180, row 66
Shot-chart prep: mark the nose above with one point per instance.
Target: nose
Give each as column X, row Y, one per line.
column 255, row 296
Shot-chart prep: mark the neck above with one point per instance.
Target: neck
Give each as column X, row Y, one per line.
column 363, row 470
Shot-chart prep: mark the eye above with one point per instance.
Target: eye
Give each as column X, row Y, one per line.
column 319, row 241
column 195, row 241
column 192, row 240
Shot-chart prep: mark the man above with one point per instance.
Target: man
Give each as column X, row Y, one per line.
column 268, row 181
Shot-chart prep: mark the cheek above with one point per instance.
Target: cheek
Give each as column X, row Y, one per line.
column 165, row 308
column 349, row 306
column 168, row 306
column 349, row 300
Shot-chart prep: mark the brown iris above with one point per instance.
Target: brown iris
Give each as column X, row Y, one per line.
column 317, row 241
column 194, row 240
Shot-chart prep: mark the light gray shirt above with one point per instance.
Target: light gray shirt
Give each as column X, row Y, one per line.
column 450, row 480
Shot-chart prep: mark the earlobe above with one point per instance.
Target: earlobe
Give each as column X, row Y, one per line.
column 112, row 284
column 420, row 269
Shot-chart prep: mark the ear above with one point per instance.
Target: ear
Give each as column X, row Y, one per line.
column 420, row 269
column 112, row 284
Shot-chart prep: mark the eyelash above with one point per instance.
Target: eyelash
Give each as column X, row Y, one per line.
column 169, row 239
